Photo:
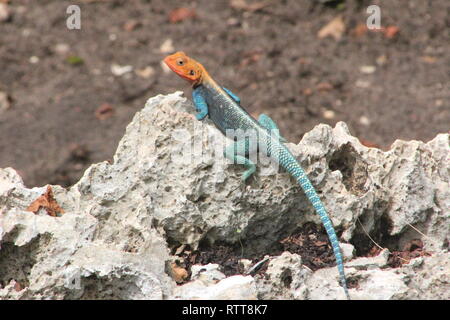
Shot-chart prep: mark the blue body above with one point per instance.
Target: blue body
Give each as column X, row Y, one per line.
column 224, row 109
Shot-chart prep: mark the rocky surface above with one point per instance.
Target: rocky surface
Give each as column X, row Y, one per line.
column 170, row 186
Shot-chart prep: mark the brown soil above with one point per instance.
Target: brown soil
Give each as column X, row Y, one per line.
column 67, row 110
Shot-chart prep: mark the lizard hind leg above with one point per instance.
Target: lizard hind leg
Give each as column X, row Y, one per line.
column 237, row 152
column 267, row 122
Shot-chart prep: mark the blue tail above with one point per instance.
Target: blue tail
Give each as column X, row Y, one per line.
column 291, row 165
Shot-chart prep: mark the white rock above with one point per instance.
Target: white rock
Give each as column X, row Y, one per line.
column 284, row 276
column 207, row 273
column 234, row 287
column 324, row 285
column 119, row 70
column 428, row 277
column 246, row 264
column 378, row 261
column 119, row 217
column 380, row 285
column 348, row 250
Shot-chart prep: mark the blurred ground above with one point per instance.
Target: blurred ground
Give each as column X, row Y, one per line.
column 66, row 96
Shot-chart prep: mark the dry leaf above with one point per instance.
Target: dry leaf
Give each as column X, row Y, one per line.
column 304, row 61
column 181, row 14
column 359, row 30
column 429, row 59
column 324, row 86
column 48, row 202
column 17, row 286
column 130, row 25
column 104, row 111
column 307, row 92
column 146, row 72
column 179, row 274
column 374, row 251
column 250, row 58
column 391, row 31
column 320, row 243
column 369, row 144
column 334, row 28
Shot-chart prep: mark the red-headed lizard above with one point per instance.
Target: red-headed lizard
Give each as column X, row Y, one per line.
column 224, row 109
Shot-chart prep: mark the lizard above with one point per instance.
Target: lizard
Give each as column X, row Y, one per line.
column 224, row 108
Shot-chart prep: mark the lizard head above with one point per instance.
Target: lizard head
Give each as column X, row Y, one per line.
column 185, row 67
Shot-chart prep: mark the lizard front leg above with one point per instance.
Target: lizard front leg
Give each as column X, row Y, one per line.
column 200, row 104
column 232, row 95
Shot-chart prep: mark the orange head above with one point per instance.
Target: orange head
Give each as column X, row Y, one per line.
column 185, row 67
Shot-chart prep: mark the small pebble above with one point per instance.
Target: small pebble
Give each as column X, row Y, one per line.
column 62, row 48
column 362, row 84
column 233, row 22
column 119, row 70
column 5, row 103
column 26, row 32
column 167, row 46
column 367, row 69
column 146, row 72
column 165, row 68
column 364, row 121
column 34, row 59
column 5, row 14
column 329, row 114
column 381, row 60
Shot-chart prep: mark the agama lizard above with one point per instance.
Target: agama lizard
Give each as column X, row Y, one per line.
column 224, row 109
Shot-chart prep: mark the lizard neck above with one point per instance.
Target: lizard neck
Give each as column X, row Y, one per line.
column 208, row 82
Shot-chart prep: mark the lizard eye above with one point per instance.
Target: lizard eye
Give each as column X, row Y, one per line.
column 192, row 72
column 180, row 62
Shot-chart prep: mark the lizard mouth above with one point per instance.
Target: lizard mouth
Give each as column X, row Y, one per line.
column 170, row 63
